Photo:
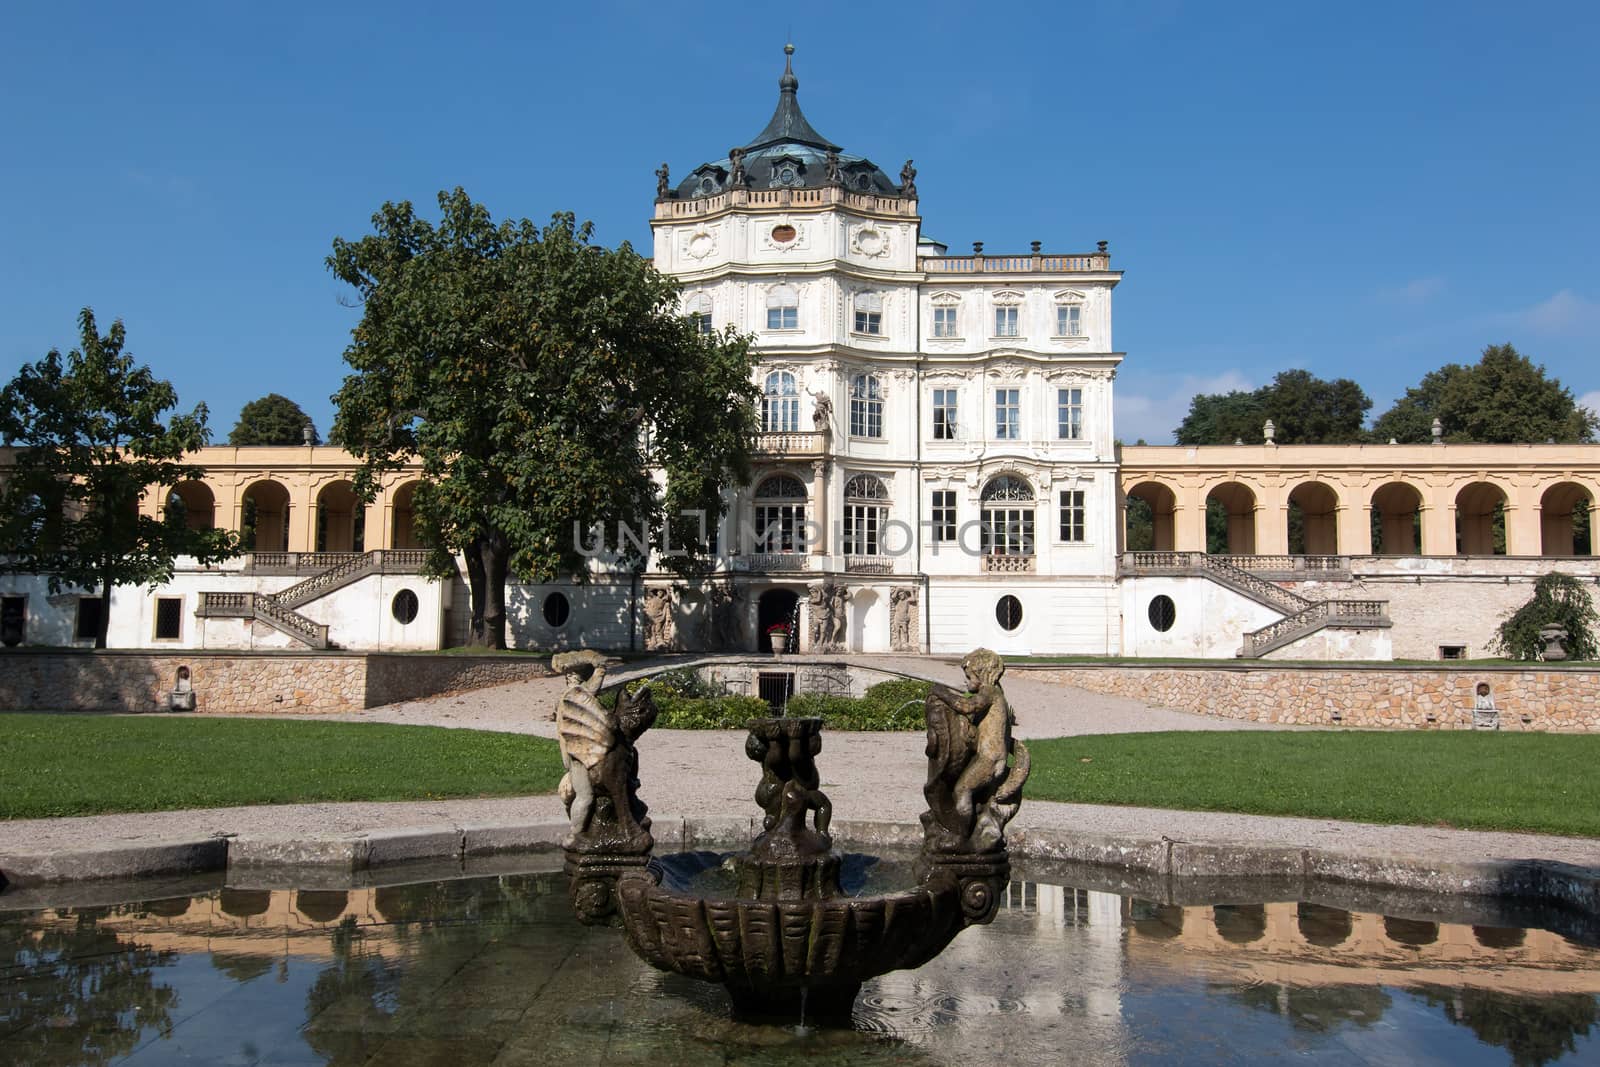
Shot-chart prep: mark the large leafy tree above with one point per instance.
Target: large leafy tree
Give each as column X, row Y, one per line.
column 91, row 440
column 1304, row 409
column 1504, row 398
column 548, row 386
column 272, row 420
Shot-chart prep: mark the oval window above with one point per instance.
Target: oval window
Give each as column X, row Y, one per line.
column 783, row 234
column 1008, row 612
column 404, row 606
column 557, row 609
column 1163, row 613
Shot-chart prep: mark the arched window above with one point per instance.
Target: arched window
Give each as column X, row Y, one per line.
column 869, row 313
column 866, row 508
column 780, row 404
column 866, row 406
column 783, row 308
column 781, row 514
column 1007, row 517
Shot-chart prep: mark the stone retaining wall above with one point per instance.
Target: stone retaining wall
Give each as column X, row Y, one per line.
column 242, row 682
column 1532, row 698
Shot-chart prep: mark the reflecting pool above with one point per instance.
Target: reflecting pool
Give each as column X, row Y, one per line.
column 481, row 970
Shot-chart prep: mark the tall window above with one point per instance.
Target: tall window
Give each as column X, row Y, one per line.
column 1007, row 517
column 1005, row 321
column 701, row 321
column 944, row 414
column 869, row 313
column 699, row 309
column 780, row 404
column 944, row 322
column 943, row 515
column 866, row 507
column 1069, row 414
column 783, row 308
column 781, row 515
column 866, row 406
column 1069, row 320
column 1072, row 515
column 1008, row 414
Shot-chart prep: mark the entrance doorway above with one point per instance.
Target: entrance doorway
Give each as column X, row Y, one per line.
column 775, row 606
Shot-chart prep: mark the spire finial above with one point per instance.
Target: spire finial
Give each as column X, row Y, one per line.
column 788, row 83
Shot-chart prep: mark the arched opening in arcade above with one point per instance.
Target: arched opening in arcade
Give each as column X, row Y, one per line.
column 1231, row 520
column 341, row 520
column 193, row 504
column 1481, row 520
column 1313, row 520
column 403, row 528
column 777, row 607
column 264, row 517
column 1565, row 511
column 1397, row 520
column 1148, row 518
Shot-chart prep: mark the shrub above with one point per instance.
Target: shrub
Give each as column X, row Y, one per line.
column 686, row 701
column 1558, row 600
column 896, row 705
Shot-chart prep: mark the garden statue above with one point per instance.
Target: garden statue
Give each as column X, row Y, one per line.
column 820, row 616
column 659, row 632
column 610, row 830
column 720, row 629
column 972, row 791
column 903, row 620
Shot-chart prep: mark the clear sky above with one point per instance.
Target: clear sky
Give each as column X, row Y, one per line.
column 1364, row 190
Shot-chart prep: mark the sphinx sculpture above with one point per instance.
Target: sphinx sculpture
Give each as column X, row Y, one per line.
column 610, row 830
column 790, row 940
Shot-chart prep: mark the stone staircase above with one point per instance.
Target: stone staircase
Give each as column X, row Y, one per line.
column 330, row 571
column 1249, row 577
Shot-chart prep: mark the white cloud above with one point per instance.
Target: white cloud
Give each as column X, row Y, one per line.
column 1416, row 292
column 1565, row 314
column 1152, row 407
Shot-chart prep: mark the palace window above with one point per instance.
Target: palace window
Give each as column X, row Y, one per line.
column 1069, row 414
column 780, row 404
column 87, row 625
column 944, row 414
column 943, row 515
column 783, row 308
column 1072, row 526
column 944, row 322
column 1005, row 322
column 699, row 309
column 866, row 508
column 169, row 618
column 701, row 321
column 1008, row 414
column 866, row 406
column 869, row 313
column 781, row 515
column 1007, row 517
column 1069, row 320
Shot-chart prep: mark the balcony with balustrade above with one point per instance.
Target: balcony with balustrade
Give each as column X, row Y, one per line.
column 792, row 445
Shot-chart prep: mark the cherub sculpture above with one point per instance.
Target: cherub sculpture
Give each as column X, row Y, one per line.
column 973, row 788
column 600, row 787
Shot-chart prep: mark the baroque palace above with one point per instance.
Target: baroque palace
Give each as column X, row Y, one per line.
column 936, row 470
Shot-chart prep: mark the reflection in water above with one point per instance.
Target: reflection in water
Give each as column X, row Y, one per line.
column 474, row 971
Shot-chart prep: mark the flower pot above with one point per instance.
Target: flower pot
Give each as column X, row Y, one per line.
column 779, row 642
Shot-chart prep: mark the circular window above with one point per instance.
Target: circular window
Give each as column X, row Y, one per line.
column 1008, row 612
column 1163, row 612
column 784, row 234
column 404, row 606
column 557, row 609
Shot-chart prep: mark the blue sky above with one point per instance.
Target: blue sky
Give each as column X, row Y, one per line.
column 1363, row 190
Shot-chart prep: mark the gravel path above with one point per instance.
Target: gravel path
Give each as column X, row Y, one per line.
column 698, row 774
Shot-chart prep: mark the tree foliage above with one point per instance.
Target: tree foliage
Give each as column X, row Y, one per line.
column 545, row 383
column 1558, row 600
column 1504, row 398
column 272, row 420
column 1304, row 409
column 90, row 444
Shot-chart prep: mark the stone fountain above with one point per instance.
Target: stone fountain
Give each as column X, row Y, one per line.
column 790, row 942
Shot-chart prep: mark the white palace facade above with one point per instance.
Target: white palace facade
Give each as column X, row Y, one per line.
column 936, row 470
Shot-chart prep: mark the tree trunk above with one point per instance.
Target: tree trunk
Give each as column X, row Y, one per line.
column 487, row 564
column 105, row 614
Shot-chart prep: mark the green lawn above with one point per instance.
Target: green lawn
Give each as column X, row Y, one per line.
column 1545, row 783
column 88, row 764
